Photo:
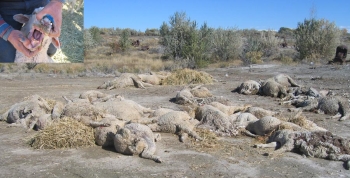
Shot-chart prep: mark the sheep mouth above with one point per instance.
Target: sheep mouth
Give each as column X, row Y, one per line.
column 36, row 37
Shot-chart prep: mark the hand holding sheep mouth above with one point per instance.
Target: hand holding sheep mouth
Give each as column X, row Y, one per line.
column 31, row 45
column 22, row 44
column 54, row 9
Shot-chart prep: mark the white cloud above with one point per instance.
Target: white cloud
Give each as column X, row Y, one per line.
column 346, row 27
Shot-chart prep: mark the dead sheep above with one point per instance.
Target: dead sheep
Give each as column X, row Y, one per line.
column 268, row 124
column 277, row 86
column 263, row 126
column 159, row 112
column 28, row 112
column 241, row 120
column 192, row 94
column 57, row 110
column 197, row 95
column 249, row 87
column 161, row 74
column 84, row 112
column 215, row 120
column 336, row 106
column 37, row 32
column 284, row 80
column 151, row 78
column 260, row 112
column 229, row 109
column 123, row 81
column 273, row 89
column 200, row 92
column 184, row 96
column 93, row 95
column 136, row 139
column 313, row 144
column 176, row 122
column 104, row 136
column 124, row 109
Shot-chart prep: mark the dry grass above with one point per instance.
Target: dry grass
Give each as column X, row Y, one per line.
column 64, row 133
column 294, row 117
column 50, row 102
column 188, row 76
column 300, row 120
column 129, row 64
column 224, row 64
column 209, row 143
column 60, row 68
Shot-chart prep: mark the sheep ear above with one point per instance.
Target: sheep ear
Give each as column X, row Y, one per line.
column 21, row 18
column 56, row 42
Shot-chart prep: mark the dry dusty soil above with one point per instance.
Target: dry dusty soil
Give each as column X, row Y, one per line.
column 236, row 157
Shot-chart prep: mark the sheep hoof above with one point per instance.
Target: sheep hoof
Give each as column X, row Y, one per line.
column 348, row 165
column 158, row 160
column 106, row 124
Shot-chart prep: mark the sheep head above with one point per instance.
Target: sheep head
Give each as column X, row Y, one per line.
column 37, row 30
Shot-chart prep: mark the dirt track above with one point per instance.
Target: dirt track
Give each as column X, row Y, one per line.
column 236, row 158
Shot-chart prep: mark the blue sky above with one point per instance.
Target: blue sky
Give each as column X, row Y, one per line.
column 243, row 14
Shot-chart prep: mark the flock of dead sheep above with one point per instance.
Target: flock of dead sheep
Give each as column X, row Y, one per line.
column 133, row 129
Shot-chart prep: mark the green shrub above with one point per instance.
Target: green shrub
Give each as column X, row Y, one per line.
column 316, row 39
column 286, row 59
column 226, row 44
column 89, row 42
column 95, row 34
column 254, row 57
column 152, row 32
column 259, row 44
column 124, row 41
column 182, row 39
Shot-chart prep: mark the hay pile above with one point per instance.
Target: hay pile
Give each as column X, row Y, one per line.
column 209, row 143
column 188, row 76
column 64, row 133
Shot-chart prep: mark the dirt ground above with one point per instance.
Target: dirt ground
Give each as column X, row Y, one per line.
column 236, row 157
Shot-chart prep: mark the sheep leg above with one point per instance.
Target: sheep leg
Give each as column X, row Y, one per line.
column 343, row 157
column 147, row 150
column 338, row 115
column 147, row 121
column 147, row 84
column 137, row 83
column 95, row 124
column 145, row 154
column 189, row 132
column 344, row 110
column 293, row 83
column 344, row 118
column 32, row 121
column 157, row 137
column 267, row 145
column 111, row 87
column 183, row 137
column 67, row 100
column 20, row 124
column 248, row 133
column 290, row 102
column 288, row 146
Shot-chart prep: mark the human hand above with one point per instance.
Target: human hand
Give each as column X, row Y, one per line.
column 21, row 43
column 54, row 8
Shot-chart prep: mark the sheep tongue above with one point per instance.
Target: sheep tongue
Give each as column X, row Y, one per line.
column 37, row 34
column 35, row 37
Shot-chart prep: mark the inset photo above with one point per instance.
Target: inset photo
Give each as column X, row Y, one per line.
column 41, row 31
